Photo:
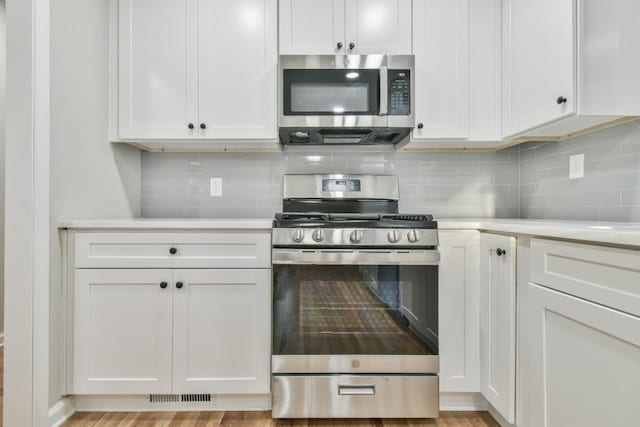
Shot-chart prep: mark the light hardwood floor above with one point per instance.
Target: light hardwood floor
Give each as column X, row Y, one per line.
column 248, row 419
column 263, row 419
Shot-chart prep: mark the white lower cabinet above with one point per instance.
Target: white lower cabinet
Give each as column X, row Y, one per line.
column 141, row 331
column 122, row 332
column 498, row 322
column 585, row 362
column 458, row 318
column 222, row 331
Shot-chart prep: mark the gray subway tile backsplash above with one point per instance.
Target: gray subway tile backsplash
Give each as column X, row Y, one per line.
column 529, row 181
column 455, row 184
column 609, row 190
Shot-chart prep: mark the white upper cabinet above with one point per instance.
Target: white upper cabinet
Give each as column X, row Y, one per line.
column 157, row 68
column 441, row 46
column 197, row 69
column 238, row 63
column 378, row 26
column 309, row 27
column 569, row 65
column 312, row 27
column 498, row 322
column 539, row 62
column 457, row 48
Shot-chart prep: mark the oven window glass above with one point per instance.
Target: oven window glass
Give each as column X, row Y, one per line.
column 331, row 92
column 355, row 309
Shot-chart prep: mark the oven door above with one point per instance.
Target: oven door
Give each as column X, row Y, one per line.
column 355, row 311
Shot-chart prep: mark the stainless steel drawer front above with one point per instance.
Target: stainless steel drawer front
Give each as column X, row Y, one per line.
column 354, row 396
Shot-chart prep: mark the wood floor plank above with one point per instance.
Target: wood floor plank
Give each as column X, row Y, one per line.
column 245, row 418
column 84, row 419
column 335, row 422
column 198, row 419
column 117, row 419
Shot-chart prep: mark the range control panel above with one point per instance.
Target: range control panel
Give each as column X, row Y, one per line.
column 399, row 92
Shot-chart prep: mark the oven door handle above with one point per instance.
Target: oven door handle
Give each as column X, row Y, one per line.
column 290, row 256
column 384, row 91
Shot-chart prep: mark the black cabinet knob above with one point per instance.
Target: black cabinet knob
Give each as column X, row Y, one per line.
column 500, row 252
column 352, row 45
column 339, row 45
column 173, row 251
column 203, row 126
column 163, row 284
column 561, row 100
column 420, row 125
column 179, row 285
column 190, row 126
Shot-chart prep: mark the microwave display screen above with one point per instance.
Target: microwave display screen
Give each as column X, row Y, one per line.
column 332, row 98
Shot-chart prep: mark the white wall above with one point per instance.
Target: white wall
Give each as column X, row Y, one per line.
column 3, row 58
column 90, row 178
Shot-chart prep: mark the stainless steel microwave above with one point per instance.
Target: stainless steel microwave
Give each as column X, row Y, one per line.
column 345, row 99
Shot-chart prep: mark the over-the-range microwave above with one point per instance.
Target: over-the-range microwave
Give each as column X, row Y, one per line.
column 345, row 99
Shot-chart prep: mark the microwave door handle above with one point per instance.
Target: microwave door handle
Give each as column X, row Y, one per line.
column 384, row 91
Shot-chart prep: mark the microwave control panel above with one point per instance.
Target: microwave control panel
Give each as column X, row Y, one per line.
column 399, row 92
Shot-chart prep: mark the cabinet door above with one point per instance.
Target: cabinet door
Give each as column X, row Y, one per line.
column 222, row 332
column 238, row 59
column 122, row 332
column 441, row 46
column 498, row 322
column 379, row 26
column 539, row 62
column 585, row 362
column 458, row 324
column 157, row 76
column 312, row 27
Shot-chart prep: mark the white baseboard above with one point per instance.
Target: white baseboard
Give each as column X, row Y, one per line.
column 499, row 418
column 61, row 411
column 462, row 402
column 258, row 402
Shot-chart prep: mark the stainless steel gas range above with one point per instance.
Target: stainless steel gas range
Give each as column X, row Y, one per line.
column 355, row 302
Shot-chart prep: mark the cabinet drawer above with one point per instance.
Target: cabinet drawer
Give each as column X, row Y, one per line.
column 173, row 250
column 608, row 276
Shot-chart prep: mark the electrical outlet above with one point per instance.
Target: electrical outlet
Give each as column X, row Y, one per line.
column 216, row 187
column 576, row 166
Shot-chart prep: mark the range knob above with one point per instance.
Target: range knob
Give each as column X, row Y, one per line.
column 394, row 236
column 356, row 236
column 297, row 235
column 318, row 235
column 413, row 236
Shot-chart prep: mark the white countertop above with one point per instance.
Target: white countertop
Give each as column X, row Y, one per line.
column 612, row 233
column 170, row 224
